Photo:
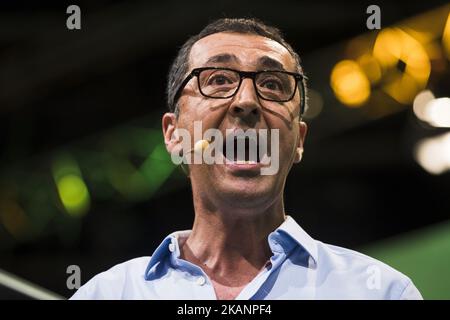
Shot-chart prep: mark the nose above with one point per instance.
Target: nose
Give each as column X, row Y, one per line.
column 245, row 103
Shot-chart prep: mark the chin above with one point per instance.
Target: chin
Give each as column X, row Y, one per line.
column 247, row 193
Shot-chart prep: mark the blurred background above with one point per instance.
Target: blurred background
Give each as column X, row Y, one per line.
column 84, row 176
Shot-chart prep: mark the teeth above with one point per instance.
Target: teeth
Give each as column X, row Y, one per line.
column 239, row 161
column 245, row 162
column 265, row 159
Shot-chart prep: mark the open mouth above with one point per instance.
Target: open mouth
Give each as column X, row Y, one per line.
column 247, row 149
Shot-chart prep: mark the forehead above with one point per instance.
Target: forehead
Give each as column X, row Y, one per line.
column 247, row 48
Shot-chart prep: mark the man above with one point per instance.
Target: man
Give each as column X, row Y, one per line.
column 240, row 74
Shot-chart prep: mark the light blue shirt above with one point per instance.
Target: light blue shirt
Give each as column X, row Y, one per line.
column 300, row 268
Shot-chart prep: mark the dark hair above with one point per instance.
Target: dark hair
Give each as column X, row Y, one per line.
column 179, row 68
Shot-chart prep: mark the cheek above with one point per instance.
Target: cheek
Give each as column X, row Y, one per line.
column 190, row 111
column 288, row 149
column 287, row 113
column 198, row 108
column 287, row 145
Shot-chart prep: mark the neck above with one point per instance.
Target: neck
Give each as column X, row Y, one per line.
column 231, row 243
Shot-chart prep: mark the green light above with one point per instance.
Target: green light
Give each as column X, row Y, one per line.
column 127, row 180
column 157, row 167
column 74, row 194
column 72, row 190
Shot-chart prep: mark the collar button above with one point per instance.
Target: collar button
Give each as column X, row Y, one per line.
column 200, row 280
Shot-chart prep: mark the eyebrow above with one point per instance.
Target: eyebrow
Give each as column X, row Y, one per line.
column 271, row 63
column 222, row 58
column 262, row 62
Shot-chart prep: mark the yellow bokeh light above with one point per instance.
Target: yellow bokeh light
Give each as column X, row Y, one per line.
column 403, row 89
column 371, row 67
column 446, row 37
column 387, row 48
column 350, row 84
column 405, row 63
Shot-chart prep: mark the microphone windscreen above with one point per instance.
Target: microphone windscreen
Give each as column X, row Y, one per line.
column 201, row 145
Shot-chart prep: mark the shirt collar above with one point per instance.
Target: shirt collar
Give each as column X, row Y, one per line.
column 169, row 246
column 288, row 235
column 291, row 229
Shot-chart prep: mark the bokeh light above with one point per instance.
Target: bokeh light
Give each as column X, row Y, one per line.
column 405, row 63
column 420, row 104
column 434, row 111
column 446, row 37
column 433, row 154
column 72, row 190
column 350, row 84
column 438, row 112
column 371, row 67
column 73, row 194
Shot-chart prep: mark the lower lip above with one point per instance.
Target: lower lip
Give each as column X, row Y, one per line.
column 241, row 166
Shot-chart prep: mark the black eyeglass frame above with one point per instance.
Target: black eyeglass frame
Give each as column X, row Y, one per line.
column 245, row 74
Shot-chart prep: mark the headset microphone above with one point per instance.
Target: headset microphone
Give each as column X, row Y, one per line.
column 199, row 146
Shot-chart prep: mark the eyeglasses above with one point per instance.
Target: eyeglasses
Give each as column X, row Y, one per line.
column 223, row 83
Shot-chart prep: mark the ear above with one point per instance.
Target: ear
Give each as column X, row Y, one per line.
column 172, row 138
column 169, row 126
column 302, row 130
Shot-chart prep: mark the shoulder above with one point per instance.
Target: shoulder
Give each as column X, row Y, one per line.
column 110, row 284
column 375, row 276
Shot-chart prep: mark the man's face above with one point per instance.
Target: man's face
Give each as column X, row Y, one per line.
column 234, row 185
